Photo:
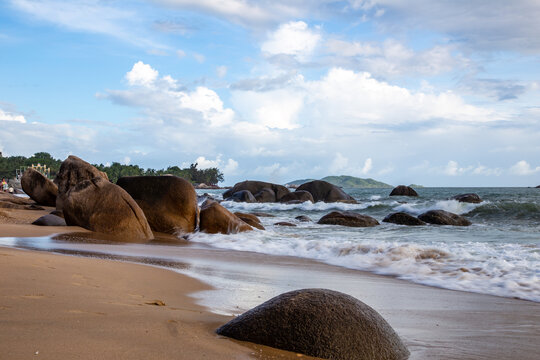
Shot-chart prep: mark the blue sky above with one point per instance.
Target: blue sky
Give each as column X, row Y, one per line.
column 441, row 93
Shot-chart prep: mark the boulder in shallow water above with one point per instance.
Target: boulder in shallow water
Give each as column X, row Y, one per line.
column 348, row 218
column 250, row 219
column 321, row 323
column 324, row 191
column 403, row 190
column 266, row 195
column 215, row 219
column 50, row 220
column 284, row 223
column 441, row 217
column 242, row 196
column 468, row 198
column 303, row 218
column 402, row 218
column 40, row 189
column 255, row 187
column 101, row 206
column 299, row 195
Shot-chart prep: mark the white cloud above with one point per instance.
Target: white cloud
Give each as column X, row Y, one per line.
column 126, row 160
column 453, row 169
column 368, row 165
column 339, row 163
column 483, row 170
column 7, row 116
column 180, row 53
column 221, row 71
column 524, row 168
column 141, row 74
column 293, row 38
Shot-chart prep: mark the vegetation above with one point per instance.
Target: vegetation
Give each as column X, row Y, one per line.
column 347, row 182
column 8, row 166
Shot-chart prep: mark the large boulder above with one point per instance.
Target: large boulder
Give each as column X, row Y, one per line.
column 441, row 217
column 319, row 322
column 468, row 198
column 255, row 186
column 266, row 195
column 250, row 219
column 73, row 171
column 242, row 196
column 168, row 202
column 402, row 218
column 101, row 206
column 324, row 191
column 40, row 189
column 348, row 218
column 403, row 190
column 299, row 195
column 10, row 198
column 214, row 219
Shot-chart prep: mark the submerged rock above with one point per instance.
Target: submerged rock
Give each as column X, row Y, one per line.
column 40, row 189
column 324, row 191
column 401, row 218
column 321, row 323
column 284, row 223
column 441, row 217
column 348, row 218
column 303, row 218
column 468, row 198
column 403, row 190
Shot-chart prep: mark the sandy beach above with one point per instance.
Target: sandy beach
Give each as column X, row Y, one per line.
column 54, row 306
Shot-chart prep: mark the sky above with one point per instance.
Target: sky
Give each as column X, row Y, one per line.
column 437, row 93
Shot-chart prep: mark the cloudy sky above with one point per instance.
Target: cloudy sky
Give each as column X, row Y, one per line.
column 443, row 93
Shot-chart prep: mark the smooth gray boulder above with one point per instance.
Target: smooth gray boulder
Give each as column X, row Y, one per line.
column 255, row 187
column 468, row 198
column 401, row 218
column 324, row 191
column 403, row 190
column 348, row 218
column 441, row 217
column 299, row 195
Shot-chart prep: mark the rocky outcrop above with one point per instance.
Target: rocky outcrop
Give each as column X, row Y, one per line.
column 73, row 171
column 40, row 189
column 168, row 202
column 441, row 217
column 468, row 198
column 401, row 218
column 319, row 322
column 103, row 207
column 250, row 219
column 303, row 218
column 242, row 196
column 50, row 220
column 10, row 198
column 403, row 190
column 324, row 191
column 255, row 187
column 348, row 218
column 299, row 195
column 214, row 219
column 266, row 195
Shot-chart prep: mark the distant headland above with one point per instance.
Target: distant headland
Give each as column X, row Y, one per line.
column 345, row 181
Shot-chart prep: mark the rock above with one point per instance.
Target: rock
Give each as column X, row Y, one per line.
column 261, row 214
column 321, row 323
column 468, row 198
column 10, row 198
column 42, row 190
column 214, row 219
column 403, row 190
column 402, row 218
column 303, row 218
column 538, row 187
column 266, row 195
column 348, row 218
column 284, row 223
column 255, row 187
column 101, row 206
column 441, row 217
column 50, row 220
column 242, row 196
column 58, row 213
column 250, row 219
column 10, row 205
column 324, row 191
column 299, row 195
column 73, row 171
column 168, row 202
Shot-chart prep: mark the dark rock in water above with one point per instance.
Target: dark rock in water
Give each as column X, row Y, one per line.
column 168, row 202
column 402, row 218
column 284, row 223
column 348, row 218
column 42, row 190
column 261, row 214
column 468, row 198
column 250, row 219
column 73, row 171
column 50, row 220
column 101, row 206
column 321, row 323
column 255, row 186
column 403, row 190
column 266, row 195
column 303, row 218
column 441, row 217
column 538, row 187
column 214, row 219
column 299, row 195
column 242, row 196
column 324, row 191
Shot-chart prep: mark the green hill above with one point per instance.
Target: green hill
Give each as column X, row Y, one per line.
column 346, row 182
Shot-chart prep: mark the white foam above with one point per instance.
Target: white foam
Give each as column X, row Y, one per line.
column 305, row 206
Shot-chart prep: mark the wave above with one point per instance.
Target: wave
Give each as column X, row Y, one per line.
column 305, row 206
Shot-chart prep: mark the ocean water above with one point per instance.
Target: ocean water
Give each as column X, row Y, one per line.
column 498, row 255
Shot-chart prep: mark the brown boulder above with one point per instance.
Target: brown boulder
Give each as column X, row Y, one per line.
column 242, row 196
column 42, row 190
column 319, row 322
column 324, row 191
column 255, row 186
column 299, row 195
column 284, row 223
column 303, row 218
column 250, row 219
column 50, row 220
column 214, row 219
column 168, row 202
column 266, row 195
column 104, row 207
column 10, row 198
column 468, row 198
column 401, row 218
column 441, row 217
column 73, row 171
column 403, row 190
column 348, row 218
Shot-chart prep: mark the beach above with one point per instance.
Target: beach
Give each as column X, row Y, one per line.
column 57, row 306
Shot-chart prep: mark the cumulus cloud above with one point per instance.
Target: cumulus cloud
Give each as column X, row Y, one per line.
column 368, row 165
column 7, row 116
column 141, row 74
column 523, row 168
column 294, row 38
